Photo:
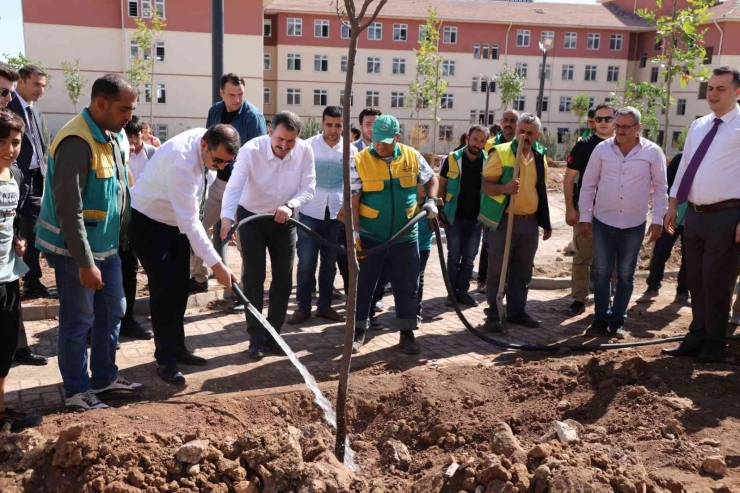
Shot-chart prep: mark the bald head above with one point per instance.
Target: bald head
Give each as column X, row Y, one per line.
column 508, row 124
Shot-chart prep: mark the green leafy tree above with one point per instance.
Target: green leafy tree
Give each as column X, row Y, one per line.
column 510, row 85
column 142, row 70
column 16, row 62
column 579, row 106
column 311, row 126
column 74, row 82
column 649, row 98
column 682, row 38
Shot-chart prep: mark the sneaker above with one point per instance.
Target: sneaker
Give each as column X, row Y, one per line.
column 237, row 307
column 84, row 401
column 576, row 308
column 598, row 329
column 198, row 287
column 407, row 343
column 683, row 299
column 358, row 342
column 379, row 306
column 481, row 287
column 17, row 420
column 616, row 329
column 121, row 386
column 735, row 319
column 494, row 325
column 525, row 320
column 648, row 296
column 449, row 301
column 467, row 300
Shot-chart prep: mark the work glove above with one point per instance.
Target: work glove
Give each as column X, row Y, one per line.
column 358, row 246
column 430, row 207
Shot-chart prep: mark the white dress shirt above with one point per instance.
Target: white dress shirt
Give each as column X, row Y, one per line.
column 170, row 190
column 329, row 182
column 25, row 105
column 262, row 182
column 137, row 163
column 718, row 176
column 624, row 185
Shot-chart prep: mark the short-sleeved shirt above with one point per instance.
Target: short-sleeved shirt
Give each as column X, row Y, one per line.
column 11, row 265
column 468, row 203
column 578, row 160
column 527, row 201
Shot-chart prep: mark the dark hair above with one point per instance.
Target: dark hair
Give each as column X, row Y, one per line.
column 369, row 112
column 110, row 86
column 729, row 70
column 477, row 128
column 289, row 120
column 27, row 71
column 10, row 122
column 356, row 134
column 333, row 112
column 8, row 72
column 604, row 106
column 225, row 135
column 232, row 79
column 132, row 128
column 591, row 112
column 494, row 129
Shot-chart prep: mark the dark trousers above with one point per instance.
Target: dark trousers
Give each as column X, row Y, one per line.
column 423, row 259
column 309, row 250
column 165, row 255
column 712, row 259
column 379, row 292
column 129, row 269
column 29, row 215
column 280, row 242
column 524, row 242
column 483, row 261
column 463, row 239
column 661, row 253
column 10, row 323
column 342, row 263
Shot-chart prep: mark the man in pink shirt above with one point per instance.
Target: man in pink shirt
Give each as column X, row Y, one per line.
column 626, row 169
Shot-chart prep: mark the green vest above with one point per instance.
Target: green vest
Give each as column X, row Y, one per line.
column 388, row 199
column 454, row 175
column 499, row 139
column 99, row 198
column 492, row 207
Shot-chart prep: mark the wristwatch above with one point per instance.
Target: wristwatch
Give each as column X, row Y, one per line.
column 292, row 209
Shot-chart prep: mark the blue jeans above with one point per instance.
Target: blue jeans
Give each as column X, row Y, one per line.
column 463, row 238
column 308, row 256
column 620, row 248
column 402, row 263
column 80, row 309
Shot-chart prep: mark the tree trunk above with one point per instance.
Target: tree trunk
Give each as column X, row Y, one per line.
column 670, row 46
column 153, row 55
column 434, row 117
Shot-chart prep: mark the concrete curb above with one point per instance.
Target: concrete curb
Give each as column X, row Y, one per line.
column 564, row 282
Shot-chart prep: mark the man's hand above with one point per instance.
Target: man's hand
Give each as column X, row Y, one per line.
column 224, row 275
column 546, row 234
column 430, row 207
column 19, row 245
column 282, row 214
column 358, row 246
column 654, row 232
column 669, row 220
column 586, row 230
column 737, row 233
column 512, row 187
column 91, row 278
column 225, row 227
column 571, row 216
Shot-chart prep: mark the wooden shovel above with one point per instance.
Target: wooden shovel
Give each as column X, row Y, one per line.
column 507, row 246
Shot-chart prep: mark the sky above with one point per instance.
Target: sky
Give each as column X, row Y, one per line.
column 11, row 28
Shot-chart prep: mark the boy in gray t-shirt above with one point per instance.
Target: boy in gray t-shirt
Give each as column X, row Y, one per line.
column 12, row 267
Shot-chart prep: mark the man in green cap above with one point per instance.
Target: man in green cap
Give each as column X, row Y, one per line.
column 383, row 180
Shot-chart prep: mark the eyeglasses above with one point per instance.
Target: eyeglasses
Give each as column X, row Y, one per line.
column 4, row 93
column 606, row 119
column 218, row 161
column 624, row 127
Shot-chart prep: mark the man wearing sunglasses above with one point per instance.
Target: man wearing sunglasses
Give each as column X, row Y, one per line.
column 8, row 80
column 577, row 162
column 168, row 202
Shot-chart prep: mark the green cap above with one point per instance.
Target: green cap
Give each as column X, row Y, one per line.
column 385, row 129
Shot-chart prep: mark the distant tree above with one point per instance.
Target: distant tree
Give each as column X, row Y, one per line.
column 74, row 82
column 649, row 98
column 510, row 84
column 579, row 106
column 19, row 61
column 143, row 67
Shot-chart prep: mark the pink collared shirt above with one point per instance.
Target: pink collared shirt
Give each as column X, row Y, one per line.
column 624, row 184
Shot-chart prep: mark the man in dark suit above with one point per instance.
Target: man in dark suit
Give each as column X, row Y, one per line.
column 32, row 163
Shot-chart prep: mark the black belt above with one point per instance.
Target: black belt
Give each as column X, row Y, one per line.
column 34, row 171
column 717, row 206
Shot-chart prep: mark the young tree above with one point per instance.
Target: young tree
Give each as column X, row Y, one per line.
column 682, row 38
column 649, row 98
column 74, row 81
column 16, row 62
column 142, row 68
column 579, row 106
column 425, row 91
column 510, row 84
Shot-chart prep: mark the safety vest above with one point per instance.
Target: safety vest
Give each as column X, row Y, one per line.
column 494, row 141
column 454, row 175
column 388, row 199
column 99, row 198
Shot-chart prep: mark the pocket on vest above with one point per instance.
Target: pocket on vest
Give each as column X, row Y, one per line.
column 407, row 181
column 93, row 215
column 448, row 197
column 373, row 185
column 368, row 212
column 411, row 211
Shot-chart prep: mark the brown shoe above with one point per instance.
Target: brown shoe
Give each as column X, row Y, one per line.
column 298, row 317
column 331, row 314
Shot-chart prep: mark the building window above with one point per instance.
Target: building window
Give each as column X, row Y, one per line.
column 373, row 65
column 643, row 59
column 399, row 66
column 544, row 35
column 400, row 32
column 447, row 101
column 483, row 84
column 343, row 64
column 163, row 132
column 474, row 85
column 146, row 8
column 321, row 63
column 473, row 117
column 548, row 72
column 320, row 97
column 266, row 96
column 522, row 37
column 568, row 71
column 449, row 35
column 267, row 59
column 594, row 39
column 345, row 31
column 681, row 107
column 294, row 61
column 476, row 51
column 564, row 104
column 590, row 103
column 703, row 90
column 372, row 98
column 161, row 93
column 615, row 42
column 446, row 132
column 448, row 68
column 521, row 68
column 658, row 43
column 351, row 98
column 708, row 52
column 375, row 31
column 519, row 103
column 545, row 103
column 612, row 74
column 571, row 39
column 267, row 28
column 295, row 27
column 321, row 28
column 133, row 8
column 397, row 99
column 422, row 33
column 494, row 52
column 134, row 50
column 486, row 49
column 590, row 74
column 654, row 74
column 294, row 97
column 159, row 6
column 159, row 49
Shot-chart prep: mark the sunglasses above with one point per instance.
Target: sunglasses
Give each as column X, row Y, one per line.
column 607, row 119
column 218, row 161
column 624, row 127
column 4, row 93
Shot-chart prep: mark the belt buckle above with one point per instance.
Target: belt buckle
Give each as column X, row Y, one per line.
column 695, row 208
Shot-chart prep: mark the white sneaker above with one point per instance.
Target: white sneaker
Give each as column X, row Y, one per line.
column 120, row 386
column 735, row 320
column 84, row 401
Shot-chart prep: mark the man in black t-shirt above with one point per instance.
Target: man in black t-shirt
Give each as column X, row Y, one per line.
column 577, row 162
column 460, row 182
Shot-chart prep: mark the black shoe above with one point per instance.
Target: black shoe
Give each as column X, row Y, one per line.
column 715, row 354
column 682, row 299
column 255, row 353
column 407, row 343
column 274, row 349
column 358, row 341
column 684, row 349
column 25, row 356
column 34, row 289
column 134, row 330
column 494, row 325
column 375, row 324
column 237, row 307
column 576, row 308
column 18, row 421
column 598, row 328
column 467, row 300
column 616, row 329
column 524, row 320
column 187, row 358
column 198, row 287
column 171, row 374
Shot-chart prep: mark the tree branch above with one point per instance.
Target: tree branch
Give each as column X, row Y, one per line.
column 375, row 14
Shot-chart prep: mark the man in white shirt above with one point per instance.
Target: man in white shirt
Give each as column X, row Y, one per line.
column 141, row 152
column 709, row 178
column 166, row 223
column 321, row 216
column 273, row 174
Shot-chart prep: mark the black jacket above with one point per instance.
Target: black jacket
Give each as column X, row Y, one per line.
column 26, row 154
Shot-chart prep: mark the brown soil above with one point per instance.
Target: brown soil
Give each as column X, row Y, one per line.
column 643, row 424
